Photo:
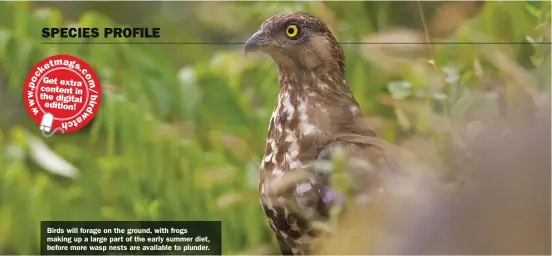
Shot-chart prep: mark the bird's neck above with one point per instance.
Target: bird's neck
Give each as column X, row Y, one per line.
column 303, row 94
column 317, row 82
column 310, row 107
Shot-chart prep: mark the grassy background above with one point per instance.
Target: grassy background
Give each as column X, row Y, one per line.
column 181, row 128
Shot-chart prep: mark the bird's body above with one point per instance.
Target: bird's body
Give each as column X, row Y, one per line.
column 298, row 130
column 314, row 113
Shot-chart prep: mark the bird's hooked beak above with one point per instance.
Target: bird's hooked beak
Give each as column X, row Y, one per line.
column 255, row 43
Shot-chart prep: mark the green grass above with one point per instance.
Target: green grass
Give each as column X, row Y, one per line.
column 169, row 144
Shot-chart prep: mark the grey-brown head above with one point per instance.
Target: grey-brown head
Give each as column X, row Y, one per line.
column 298, row 41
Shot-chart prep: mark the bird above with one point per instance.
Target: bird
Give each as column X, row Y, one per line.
column 316, row 117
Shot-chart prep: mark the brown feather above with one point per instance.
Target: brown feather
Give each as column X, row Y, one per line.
column 315, row 113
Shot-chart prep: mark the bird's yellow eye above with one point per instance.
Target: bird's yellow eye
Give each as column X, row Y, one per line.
column 292, row 31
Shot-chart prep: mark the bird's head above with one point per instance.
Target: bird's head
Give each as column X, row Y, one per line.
column 298, row 41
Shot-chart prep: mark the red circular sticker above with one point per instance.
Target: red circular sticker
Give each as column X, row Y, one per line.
column 61, row 91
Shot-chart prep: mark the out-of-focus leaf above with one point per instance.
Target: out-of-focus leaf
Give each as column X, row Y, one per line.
column 452, row 15
column 402, row 119
column 4, row 39
column 44, row 157
column 227, row 200
column 215, row 176
column 400, row 89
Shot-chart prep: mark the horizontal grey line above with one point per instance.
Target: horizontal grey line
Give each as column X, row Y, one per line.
column 245, row 0
column 344, row 43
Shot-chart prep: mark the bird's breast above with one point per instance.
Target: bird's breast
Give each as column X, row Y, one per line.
column 298, row 130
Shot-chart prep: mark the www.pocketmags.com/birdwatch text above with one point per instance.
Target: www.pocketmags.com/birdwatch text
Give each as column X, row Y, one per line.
column 62, row 93
column 94, row 32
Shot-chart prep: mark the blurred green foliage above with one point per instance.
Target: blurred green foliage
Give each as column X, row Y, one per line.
column 181, row 128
